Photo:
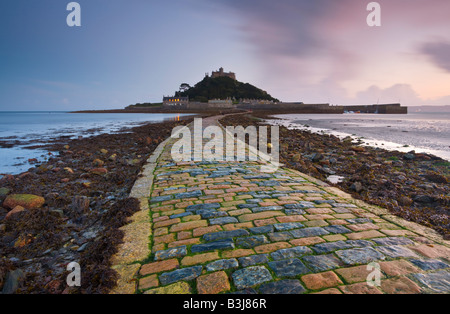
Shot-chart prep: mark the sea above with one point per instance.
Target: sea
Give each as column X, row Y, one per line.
column 21, row 130
column 422, row 132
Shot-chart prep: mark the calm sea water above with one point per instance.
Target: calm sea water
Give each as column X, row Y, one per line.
column 24, row 129
column 422, row 132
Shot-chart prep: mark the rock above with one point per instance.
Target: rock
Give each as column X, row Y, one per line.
column 57, row 212
column 86, row 184
column 223, row 235
column 405, row 201
column 69, row 170
column 176, row 288
column 54, row 286
column 98, row 163
column 12, row 281
column 409, row 156
column 425, row 199
column 27, row 201
column 250, row 242
column 289, row 268
column 316, row 157
column 16, row 210
column 196, row 193
column 298, row 251
column 82, row 248
column 184, row 274
column 357, row 187
column 223, row 221
column 212, row 246
column 251, row 276
column 113, row 157
column 103, row 151
column 99, row 171
column 22, row 241
column 222, row 264
column 436, row 178
column 211, row 206
column 254, row 260
column 7, row 178
column 171, row 253
column 358, row 149
column 360, row 256
column 65, row 180
column 80, row 204
column 288, row 286
column 3, row 193
column 66, row 147
column 296, row 157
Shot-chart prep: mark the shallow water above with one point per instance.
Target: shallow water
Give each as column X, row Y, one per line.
column 421, row 132
column 24, row 129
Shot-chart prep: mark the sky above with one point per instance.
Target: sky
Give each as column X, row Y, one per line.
column 135, row 51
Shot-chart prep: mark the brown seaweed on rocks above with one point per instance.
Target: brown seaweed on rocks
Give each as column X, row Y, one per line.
column 82, row 214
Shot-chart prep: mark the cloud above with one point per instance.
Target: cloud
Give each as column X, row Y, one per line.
column 399, row 93
column 323, row 50
column 439, row 54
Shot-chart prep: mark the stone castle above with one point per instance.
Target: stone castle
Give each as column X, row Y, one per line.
column 221, row 73
column 259, row 104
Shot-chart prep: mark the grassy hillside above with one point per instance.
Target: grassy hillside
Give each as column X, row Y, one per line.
column 222, row 88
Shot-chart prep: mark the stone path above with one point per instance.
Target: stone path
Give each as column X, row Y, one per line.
column 225, row 227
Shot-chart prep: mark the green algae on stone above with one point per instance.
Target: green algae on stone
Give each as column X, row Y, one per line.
column 27, row 201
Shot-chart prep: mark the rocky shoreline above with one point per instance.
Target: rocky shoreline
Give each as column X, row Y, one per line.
column 70, row 209
column 412, row 186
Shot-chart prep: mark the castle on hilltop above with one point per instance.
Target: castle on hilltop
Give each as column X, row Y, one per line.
column 221, row 73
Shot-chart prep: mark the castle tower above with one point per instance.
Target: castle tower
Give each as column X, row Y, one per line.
column 221, row 73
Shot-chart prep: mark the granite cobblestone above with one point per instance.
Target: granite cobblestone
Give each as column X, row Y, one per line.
column 226, row 227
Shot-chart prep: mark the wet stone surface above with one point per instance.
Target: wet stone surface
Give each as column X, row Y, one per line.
column 278, row 233
column 287, row 286
column 251, row 276
column 360, row 256
column 289, row 268
column 184, row 274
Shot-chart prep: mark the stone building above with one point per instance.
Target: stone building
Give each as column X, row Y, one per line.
column 221, row 73
column 221, row 103
column 175, row 101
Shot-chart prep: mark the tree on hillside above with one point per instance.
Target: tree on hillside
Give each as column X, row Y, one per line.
column 222, row 88
column 184, row 87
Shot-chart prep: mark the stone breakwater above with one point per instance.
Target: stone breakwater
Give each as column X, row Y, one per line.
column 225, row 227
